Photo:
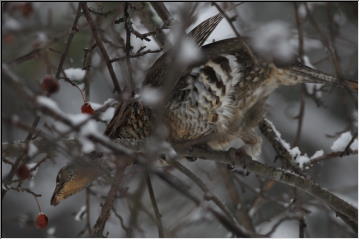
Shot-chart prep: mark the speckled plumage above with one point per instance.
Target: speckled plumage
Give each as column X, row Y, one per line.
column 223, row 96
column 220, row 98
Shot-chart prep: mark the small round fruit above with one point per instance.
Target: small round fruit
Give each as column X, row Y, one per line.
column 41, row 220
column 50, row 85
column 23, row 172
column 86, row 108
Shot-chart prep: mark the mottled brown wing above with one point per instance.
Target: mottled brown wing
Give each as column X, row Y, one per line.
column 202, row 31
column 155, row 75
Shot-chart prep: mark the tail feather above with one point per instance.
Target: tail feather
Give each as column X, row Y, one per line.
column 309, row 75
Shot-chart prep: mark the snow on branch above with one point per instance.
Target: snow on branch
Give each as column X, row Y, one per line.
column 342, row 142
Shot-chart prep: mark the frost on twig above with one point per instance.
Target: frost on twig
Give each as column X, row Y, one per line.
column 341, row 143
column 80, row 214
column 75, row 74
column 32, row 150
column 292, row 155
column 86, row 125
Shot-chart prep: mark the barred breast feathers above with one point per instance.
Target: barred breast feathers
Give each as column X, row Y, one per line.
column 204, row 99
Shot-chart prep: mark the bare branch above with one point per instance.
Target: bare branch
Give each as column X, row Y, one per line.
column 291, row 179
column 155, row 207
column 108, row 205
column 74, row 29
column 100, row 44
column 230, row 21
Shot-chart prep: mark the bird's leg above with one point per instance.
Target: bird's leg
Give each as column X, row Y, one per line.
column 239, row 155
column 253, row 143
column 201, row 146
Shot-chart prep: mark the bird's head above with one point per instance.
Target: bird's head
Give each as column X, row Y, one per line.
column 72, row 179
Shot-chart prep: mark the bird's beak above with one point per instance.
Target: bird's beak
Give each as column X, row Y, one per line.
column 67, row 187
column 57, row 196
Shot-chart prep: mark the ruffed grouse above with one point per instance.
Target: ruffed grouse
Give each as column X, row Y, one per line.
column 222, row 95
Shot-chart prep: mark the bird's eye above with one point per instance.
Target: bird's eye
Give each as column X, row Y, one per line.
column 58, row 178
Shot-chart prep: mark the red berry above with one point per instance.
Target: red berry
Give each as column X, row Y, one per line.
column 41, row 220
column 86, row 108
column 8, row 38
column 23, row 172
column 50, row 85
column 27, row 9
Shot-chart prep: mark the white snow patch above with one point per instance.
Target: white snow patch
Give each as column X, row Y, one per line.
column 95, row 105
column 75, row 73
column 294, row 152
column 311, row 5
column 11, row 24
column 312, row 88
column 189, row 51
column 309, row 43
column 32, row 183
column 307, row 61
column 274, row 39
column 80, row 213
column 42, row 37
column 151, row 96
column 108, row 114
column 355, row 118
column 51, row 231
column 32, row 150
column 197, row 214
column 342, row 141
column 45, row 101
column 86, row 129
column 95, row 60
column 340, row 18
column 109, row 101
column 302, row 159
column 317, row 154
column 90, row 127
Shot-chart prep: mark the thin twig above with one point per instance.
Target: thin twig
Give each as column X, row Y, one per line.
column 282, row 176
column 142, row 53
column 136, row 203
column 100, row 44
column 276, row 225
column 20, row 189
column 86, row 65
column 334, row 58
column 162, row 11
column 230, row 21
column 302, row 227
column 21, row 159
column 122, row 224
column 315, row 161
column 87, row 202
column 244, row 217
column 74, row 29
column 207, row 193
column 228, row 224
column 128, row 47
column 300, row 116
column 155, row 207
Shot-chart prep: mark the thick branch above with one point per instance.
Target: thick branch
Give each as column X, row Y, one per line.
column 162, row 11
column 109, row 202
column 282, row 176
